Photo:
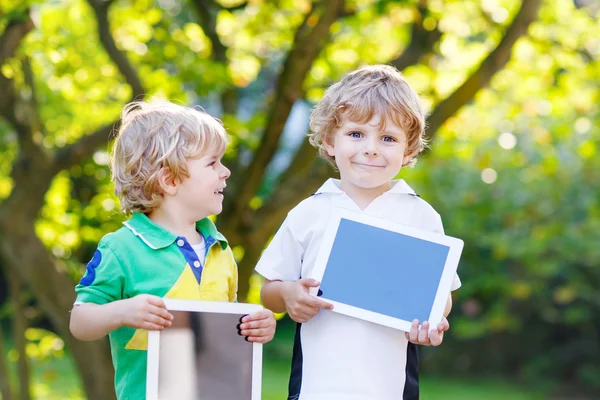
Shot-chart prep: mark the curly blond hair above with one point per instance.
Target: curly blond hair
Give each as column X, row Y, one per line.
column 361, row 94
column 154, row 137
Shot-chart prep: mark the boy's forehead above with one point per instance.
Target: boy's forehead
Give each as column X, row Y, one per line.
column 210, row 153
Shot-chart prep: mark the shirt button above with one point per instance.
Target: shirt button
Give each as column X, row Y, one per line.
column 197, row 264
column 180, row 242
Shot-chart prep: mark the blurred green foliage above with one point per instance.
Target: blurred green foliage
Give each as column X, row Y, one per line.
column 517, row 176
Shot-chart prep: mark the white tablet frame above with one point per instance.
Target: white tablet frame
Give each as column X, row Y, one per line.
column 455, row 246
column 209, row 307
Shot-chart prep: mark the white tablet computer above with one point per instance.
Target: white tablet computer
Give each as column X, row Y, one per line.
column 385, row 272
column 201, row 356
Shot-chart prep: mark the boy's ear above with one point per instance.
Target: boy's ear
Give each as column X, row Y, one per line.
column 407, row 158
column 329, row 147
column 166, row 181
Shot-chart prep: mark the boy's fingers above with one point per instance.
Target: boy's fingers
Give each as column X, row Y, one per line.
column 258, row 339
column 157, row 320
column 301, row 317
column 435, row 337
column 318, row 303
column 259, row 323
column 259, row 315
column 444, row 325
column 423, row 333
column 262, row 332
column 156, row 301
column 149, row 326
column 414, row 331
column 161, row 312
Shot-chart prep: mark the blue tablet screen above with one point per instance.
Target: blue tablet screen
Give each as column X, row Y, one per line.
column 384, row 272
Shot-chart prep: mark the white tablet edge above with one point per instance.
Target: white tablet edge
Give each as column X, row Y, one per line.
column 202, row 306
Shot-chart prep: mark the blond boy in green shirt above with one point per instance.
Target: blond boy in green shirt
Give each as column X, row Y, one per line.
column 168, row 173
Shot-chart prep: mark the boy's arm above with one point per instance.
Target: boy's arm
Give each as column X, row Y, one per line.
column 448, row 306
column 91, row 321
column 271, row 295
column 99, row 307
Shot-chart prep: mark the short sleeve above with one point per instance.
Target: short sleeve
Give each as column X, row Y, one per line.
column 282, row 259
column 103, row 279
column 433, row 222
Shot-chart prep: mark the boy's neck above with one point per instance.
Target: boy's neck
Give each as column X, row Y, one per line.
column 178, row 223
column 363, row 196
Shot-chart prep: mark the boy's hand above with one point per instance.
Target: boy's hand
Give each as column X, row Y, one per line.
column 258, row 327
column 145, row 311
column 299, row 303
column 426, row 337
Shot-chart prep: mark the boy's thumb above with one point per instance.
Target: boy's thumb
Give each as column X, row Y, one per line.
column 309, row 282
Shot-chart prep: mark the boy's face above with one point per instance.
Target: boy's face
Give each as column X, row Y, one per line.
column 202, row 193
column 366, row 156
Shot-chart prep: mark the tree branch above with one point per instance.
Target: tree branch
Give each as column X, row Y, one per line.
column 295, row 189
column 15, row 31
column 86, row 145
column 307, row 45
column 421, row 41
column 207, row 11
column 34, row 113
column 494, row 62
column 19, row 116
column 76, row 152
column 119, row 58
column 240, row 6
column 10, row 40
column 301, row 163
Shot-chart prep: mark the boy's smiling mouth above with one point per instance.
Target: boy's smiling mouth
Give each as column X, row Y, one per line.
column 366, row 165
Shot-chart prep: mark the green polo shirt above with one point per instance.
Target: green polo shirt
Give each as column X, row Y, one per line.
column 144, row 258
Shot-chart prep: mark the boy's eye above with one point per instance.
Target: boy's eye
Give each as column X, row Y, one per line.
column 389, row 139
column 355, row 134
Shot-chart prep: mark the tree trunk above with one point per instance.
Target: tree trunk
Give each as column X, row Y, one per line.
column 23, row 253
column 5, row 386
column 19, row 328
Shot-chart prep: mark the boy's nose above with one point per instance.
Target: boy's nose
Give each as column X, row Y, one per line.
column 226, row 173
column 371, row 147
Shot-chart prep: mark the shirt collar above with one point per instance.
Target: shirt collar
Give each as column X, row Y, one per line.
column 157, row 237
column 398, row 187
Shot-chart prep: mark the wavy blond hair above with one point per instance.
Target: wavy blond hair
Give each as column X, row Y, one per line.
column 361, row 94
column 154, row 137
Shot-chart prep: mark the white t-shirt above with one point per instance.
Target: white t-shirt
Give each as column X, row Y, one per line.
column 200, row 250
column 337, row 357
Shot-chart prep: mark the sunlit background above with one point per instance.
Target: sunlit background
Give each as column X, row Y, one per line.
column 513, row 92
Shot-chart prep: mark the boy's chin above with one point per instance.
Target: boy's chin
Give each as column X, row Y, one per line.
column 372, row 185
column 217, row 210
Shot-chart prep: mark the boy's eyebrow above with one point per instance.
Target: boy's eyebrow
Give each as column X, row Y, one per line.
column 392, row 132
column 395, row 132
